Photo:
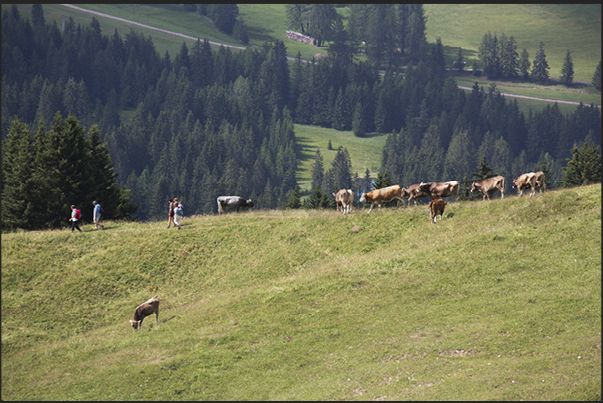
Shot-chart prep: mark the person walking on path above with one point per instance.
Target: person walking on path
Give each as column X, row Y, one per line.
column 74, row 219
column 177, row 216
column 171, row 213
column 96, row 213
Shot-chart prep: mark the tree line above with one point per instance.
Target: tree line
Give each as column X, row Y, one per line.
column 210, row 122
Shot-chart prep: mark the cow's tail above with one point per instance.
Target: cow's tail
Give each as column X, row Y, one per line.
column 220, row 208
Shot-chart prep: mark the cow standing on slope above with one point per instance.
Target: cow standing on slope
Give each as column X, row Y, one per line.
column 441, row 189
column 436, row 207
column 143, row 310
column 379, row 196
column 232, row 203
column 489, row 185
column 525, row 181
column 344, row 199
column 414, row 192
column 539, row 178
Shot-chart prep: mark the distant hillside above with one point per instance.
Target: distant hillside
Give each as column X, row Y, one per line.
column 500, row 300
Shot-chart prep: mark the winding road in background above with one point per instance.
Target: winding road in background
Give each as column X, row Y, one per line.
column 165, row 31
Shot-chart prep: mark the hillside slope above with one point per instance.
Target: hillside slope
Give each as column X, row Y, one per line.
column 499, row 300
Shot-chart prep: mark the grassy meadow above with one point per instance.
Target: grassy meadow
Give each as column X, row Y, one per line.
column 500, row 300
column 365, row 152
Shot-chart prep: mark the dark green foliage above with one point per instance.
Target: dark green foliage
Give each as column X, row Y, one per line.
column 596, row 81
column 483, row 171
column 524, row 65
column 294, row 201
column 208, row 123
column 383, row 180
column 224, row 16
column 584, row 168
column 42, row 177
column 567, row 71
column 540, row 70
column 316, row 200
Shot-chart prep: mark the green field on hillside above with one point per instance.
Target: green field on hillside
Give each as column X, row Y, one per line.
column 499, row 300
column 576, row 27
column 365, row 152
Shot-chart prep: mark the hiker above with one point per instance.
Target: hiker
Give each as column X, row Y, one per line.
column 75, row 217
column 96, row 213
column 171, row 213
column 177, row 216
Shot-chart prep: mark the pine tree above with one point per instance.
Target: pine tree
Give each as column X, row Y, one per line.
column 342, row 169
column 524, row 64
column 567, row 71
column 483, row 171
column 596, row 81
column 17, row 170
column 114, row 200
column 584, row 168
column 383, row 180
column 294, row 201
column 317, row 170
column 540, row 70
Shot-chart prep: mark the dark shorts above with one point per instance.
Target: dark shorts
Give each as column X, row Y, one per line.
column 171, row 213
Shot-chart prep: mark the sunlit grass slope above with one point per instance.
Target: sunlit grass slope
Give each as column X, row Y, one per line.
column 501, row 300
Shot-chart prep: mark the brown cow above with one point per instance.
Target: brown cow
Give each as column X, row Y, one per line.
column 540, row 181
column 382, row 195
column 441, row 189
column 436, row 207
column 414, row 192
column 525, row 181
column 490, row 185
column 344, row 199
column 143, row 310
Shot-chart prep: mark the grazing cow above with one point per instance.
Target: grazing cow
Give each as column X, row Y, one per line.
column 540, row 181
column 525, row 181
column 441, row 189
column 490, row 185
column 382, row 195
column 143, row 310
column 232, row 203
column 414, row 192
column 436, row 207
column 344, row 199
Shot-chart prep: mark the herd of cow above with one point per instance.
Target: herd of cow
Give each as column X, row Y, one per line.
column 436, row 190
column 345, row 197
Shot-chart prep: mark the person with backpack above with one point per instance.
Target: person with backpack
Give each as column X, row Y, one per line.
column 96, row 213
column 76, row 215
column 178, row 212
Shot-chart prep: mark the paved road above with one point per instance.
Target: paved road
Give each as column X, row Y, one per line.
column 290, row 58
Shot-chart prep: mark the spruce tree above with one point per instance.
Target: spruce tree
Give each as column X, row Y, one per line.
column 584, row 168
column 483, row 171
column 524, row 64
column 596, row 81
column 17, row 169
column 567, row 71
column 540, row 70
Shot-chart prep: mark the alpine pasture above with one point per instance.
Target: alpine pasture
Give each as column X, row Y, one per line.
column 499, row 300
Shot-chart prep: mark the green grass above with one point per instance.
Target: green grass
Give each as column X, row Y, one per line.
column 364, row 152
column 576, row 27
column 500, row 300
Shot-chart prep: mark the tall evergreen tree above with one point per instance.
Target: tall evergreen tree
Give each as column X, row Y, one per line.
column 596, row 81
column 584, row 168
column 17, row 173
column 540, row 70
column 525, row 64
column 567, row 70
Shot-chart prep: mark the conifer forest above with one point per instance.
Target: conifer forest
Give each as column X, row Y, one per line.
column 215, row 121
